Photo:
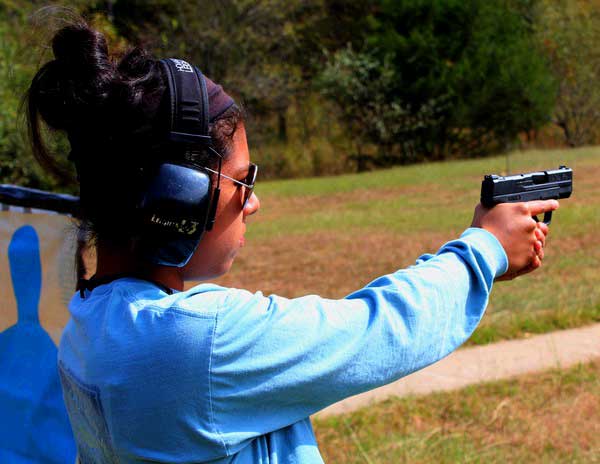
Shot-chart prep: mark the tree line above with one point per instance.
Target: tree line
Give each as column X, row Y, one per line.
column 335, row 86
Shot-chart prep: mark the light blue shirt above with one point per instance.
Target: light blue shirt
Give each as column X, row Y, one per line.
column 228, row 376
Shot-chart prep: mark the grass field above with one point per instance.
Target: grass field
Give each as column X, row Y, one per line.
column 331, row 235
column 549, row 418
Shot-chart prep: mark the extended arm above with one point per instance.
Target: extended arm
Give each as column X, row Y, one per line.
column 276, row 360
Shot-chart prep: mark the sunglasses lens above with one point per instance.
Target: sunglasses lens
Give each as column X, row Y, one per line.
column 250, row 180
column 247, row 195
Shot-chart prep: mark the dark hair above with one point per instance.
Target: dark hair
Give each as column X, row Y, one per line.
column 112, row 112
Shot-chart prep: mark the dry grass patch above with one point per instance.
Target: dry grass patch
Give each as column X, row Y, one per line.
column 277, row 207
column 571, row 244
column 549, row 417
column 325, row 263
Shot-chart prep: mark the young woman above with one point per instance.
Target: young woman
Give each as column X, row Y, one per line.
column 152, row 373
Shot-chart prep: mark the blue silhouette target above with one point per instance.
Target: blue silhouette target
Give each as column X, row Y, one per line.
column 34, row 426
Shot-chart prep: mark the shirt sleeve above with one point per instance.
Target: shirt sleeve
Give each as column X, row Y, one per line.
column 275, row 361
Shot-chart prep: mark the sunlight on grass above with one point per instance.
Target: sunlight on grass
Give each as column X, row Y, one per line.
column 450, row 173
column 548, row 417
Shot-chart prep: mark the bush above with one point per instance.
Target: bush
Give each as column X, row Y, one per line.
column 441, row 78
column 360, row 84
column 16, row 164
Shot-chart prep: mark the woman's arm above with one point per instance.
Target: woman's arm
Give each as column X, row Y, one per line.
column 275, row 361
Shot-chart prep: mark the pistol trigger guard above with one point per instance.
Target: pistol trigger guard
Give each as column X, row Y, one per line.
column 547, row 218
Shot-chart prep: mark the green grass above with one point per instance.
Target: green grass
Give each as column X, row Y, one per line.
column 552, row 417
column 330, row 235
column 435, row 172
column 446, row 194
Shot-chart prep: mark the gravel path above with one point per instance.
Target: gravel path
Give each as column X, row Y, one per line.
column 486, row 363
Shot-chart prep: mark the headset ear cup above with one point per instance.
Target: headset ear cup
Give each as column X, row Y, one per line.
column 174, row 213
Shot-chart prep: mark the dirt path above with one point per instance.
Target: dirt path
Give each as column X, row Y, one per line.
column 486, row 363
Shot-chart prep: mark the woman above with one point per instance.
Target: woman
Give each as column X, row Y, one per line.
column 154, row 373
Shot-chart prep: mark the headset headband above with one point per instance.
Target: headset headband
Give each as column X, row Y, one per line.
column 179, row 202
column 188, row 103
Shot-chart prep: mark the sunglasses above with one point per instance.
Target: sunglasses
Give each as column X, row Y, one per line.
column 248, row 182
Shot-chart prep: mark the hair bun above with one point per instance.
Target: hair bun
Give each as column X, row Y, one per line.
column 76, row 84
column 81, row 50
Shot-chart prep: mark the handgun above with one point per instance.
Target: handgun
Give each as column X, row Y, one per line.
column 540, row 185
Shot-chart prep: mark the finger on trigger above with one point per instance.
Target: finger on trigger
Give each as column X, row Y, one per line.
column 542, row 206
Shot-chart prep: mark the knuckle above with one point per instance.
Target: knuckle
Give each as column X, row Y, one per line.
column 522, row 208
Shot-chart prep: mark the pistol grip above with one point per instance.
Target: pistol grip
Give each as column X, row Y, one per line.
column 547, row 218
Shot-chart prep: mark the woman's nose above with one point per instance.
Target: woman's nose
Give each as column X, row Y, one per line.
column 252, row 206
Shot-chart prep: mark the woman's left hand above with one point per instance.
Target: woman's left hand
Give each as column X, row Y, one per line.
column 541, row 232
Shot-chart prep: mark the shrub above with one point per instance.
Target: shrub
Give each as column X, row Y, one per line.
column 440, row 78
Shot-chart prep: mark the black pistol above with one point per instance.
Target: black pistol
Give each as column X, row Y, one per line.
column 541, row 185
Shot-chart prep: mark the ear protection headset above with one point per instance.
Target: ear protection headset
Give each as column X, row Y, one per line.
column 179, row 203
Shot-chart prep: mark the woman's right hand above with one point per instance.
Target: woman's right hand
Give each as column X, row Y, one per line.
column 522, row 238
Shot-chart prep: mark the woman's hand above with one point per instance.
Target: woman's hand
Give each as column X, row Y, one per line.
column 522, row 238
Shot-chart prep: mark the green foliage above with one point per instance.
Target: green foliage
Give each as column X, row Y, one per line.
column 570, row 32
column 250, row 46
column 502, row 83
column 16, row 164
column 361, row 85
column 448, row 77
column 405, row 81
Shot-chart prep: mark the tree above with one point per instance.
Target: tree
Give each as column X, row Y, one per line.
column 361, row 85
column 570, row 32
column 467, row 71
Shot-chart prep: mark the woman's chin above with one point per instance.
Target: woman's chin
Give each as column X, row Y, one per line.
column 209, row 274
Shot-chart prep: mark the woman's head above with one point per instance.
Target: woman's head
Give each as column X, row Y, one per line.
column 219, row 246
column 114, row 112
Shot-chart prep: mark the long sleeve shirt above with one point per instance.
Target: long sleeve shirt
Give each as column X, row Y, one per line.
column 228, row 376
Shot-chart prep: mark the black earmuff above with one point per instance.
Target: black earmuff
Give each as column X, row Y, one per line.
column 178, row 202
